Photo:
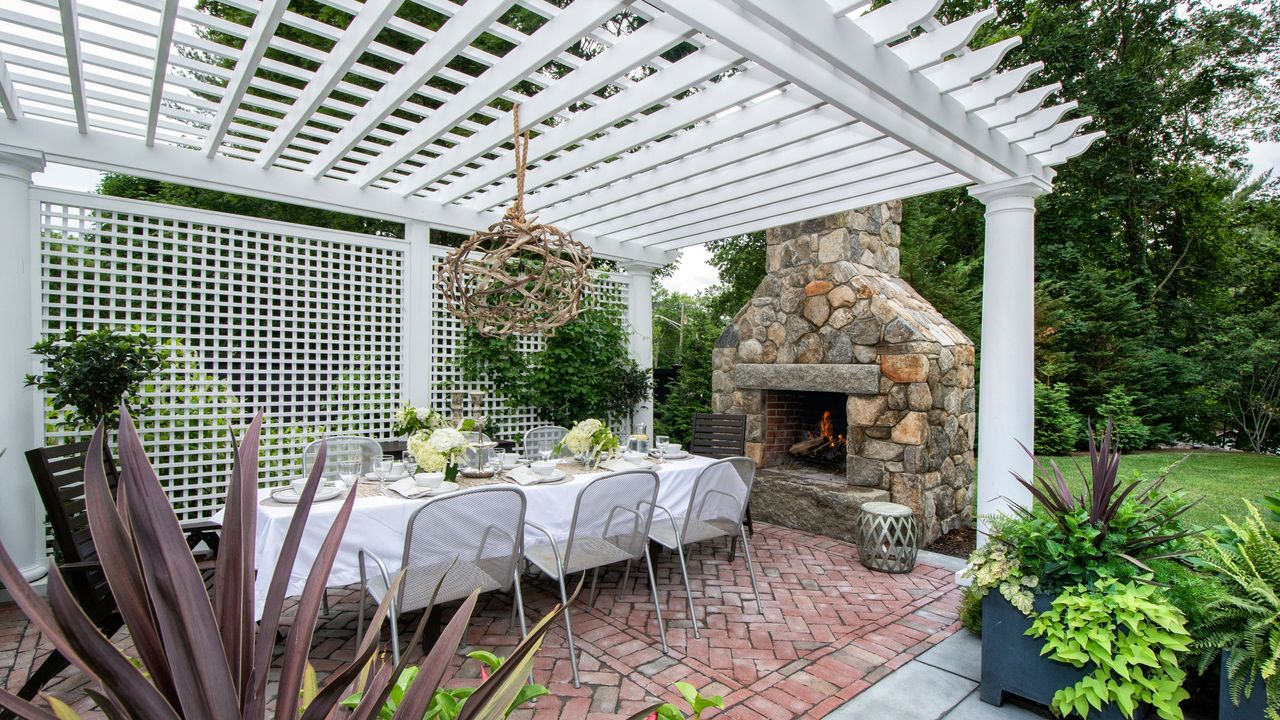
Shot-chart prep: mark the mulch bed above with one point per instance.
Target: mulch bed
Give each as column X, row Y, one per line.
column 957, row 543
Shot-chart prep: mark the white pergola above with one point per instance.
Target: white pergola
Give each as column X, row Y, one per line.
column 779, row 111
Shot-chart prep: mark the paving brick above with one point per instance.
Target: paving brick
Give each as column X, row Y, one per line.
column 829, row 631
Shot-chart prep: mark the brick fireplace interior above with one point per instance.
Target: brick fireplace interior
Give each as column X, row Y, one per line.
column 805, row 429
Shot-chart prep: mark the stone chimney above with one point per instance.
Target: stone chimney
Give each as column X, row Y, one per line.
column 832, row 334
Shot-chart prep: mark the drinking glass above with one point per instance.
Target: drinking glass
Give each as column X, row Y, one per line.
column 410, row 464
column 383, row 468
column 495, row 461
column 349, row 472
column 661, row 442
column 544, row 450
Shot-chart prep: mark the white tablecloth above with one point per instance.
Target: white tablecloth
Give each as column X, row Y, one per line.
column 378, row 523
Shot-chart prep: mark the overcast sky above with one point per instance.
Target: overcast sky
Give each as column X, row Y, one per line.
column 692, row 274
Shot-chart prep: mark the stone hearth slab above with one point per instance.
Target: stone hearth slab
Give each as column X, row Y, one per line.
column 782, row 497
column 848, row 379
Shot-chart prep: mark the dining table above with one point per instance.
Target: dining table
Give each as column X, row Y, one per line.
column 380, row 518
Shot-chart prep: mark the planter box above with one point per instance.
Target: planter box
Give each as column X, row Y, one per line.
column 1012, row 664
column 1253, row 707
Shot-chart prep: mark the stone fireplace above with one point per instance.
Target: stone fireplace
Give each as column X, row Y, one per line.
column 855, row 388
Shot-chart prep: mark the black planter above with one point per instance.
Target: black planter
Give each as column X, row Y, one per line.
column 1253, row 707
column 1012, row 664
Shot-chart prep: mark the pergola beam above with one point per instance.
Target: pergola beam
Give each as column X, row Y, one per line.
column 357, row 36
column 729, row 22
column 630, row 52
column 8, row 95
column 715, row 98
column 818, row 207
column 457, row 32
column 264, row 27
column 673, row 157
column 855, row 53
column 109, row 153
column 75, row 67
column 164, row 41
column 561, row 31
column 752, row 158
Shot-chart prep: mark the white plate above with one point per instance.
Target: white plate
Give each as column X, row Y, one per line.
column 287, row 496
column 391, row 477
column 674, row 456
column 528, row 477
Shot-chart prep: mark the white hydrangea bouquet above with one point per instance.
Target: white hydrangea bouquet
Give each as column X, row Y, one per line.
column 409, row 420
column 438, row 450
column 591, row 441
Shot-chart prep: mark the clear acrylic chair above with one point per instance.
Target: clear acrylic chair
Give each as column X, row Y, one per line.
column 342, row 448
column 716, row 509
column 547, row 435
column 472, row 539
column 611, row 520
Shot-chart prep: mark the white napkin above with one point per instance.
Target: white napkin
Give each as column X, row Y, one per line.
column 622, row 465
column 526, row 476
column 409, row 488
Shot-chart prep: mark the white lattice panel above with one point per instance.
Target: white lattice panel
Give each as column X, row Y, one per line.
column 447, row 338
column 302, row 323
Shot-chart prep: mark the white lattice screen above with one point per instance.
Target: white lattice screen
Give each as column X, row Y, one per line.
column 303, row 323
column 446, row 340
column 299, row 322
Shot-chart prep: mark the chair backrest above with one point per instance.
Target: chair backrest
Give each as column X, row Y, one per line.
column 342, row 448
column 473, row 538
column 720, row 495
column 59, row 476
column 616, row 508
column 548, row 435
column 718, row 435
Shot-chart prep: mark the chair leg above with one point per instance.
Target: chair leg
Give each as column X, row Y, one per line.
column 653, row 590
column 626, row 575
column 751, row 528
column 746, row 553
column 395, row 635
column 591, row 596
column 52, row 665
column 524, row 632
column 688, row 592
column 324, row 602
column 568, row 629
column 360, row 617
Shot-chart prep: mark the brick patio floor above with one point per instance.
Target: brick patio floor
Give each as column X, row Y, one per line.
column 830, row 630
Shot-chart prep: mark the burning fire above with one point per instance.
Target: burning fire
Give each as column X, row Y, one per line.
column 827, row 430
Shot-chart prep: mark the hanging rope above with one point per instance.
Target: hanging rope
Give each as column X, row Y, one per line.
column 517, row 276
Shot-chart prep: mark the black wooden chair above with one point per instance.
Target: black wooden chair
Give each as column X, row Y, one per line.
column 59, row 476
column 721, row 435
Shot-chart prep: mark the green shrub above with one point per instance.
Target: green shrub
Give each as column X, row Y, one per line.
column 1058, row 427
column 90, row 375
column 1131, row 433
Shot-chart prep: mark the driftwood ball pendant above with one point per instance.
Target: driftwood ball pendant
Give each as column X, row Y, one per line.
column 517, row 277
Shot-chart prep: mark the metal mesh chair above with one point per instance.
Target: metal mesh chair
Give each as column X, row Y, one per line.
column 536, row 437
column 611, row 520
column 716, row 509
column 342, row 448
column 472, row 539
column 722, row 435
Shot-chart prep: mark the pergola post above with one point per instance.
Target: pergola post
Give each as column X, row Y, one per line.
column 416, row 358
column 640, row 329
column 1006, row 386
column 21, row 515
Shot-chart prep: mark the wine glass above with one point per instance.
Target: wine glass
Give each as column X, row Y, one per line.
column 495, row 461
column 382, row 466
column 410, row 464
column 544, row 450
column 661, row 443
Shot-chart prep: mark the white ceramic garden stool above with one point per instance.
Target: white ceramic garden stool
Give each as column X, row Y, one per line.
column 888, row 537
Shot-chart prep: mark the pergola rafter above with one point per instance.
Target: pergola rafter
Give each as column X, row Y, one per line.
column 767, row 111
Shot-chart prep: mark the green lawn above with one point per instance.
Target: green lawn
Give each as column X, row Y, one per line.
column 1220, row 478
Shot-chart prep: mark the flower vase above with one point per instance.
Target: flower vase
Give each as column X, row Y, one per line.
column 591, row 458
column 451, row 472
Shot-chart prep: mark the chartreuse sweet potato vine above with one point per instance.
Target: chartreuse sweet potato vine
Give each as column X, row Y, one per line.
column 1131, row 636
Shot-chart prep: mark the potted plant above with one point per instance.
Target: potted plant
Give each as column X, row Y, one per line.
column 591, row 441
column 1076, row 621
column 89, row 377
column 1241, row 628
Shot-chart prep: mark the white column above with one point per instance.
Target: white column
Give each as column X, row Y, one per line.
column 640, row 322
column 21, row 514
column 1006, row 386
column 416, row 354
